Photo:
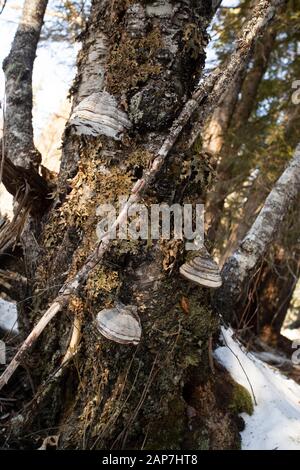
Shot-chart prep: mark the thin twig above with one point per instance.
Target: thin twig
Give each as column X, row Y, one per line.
column 51, row 312
column 110, row 423
column 1, row 11
column 210, row 355
column 243, row 369
column 72, row 347
column 3, row 135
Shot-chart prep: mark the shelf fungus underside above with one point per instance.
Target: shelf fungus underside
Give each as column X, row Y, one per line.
column 98, row 114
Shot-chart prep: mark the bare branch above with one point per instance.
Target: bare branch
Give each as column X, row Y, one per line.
column 51, row 312
column 3, row 6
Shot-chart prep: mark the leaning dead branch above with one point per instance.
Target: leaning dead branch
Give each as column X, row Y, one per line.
column 2, row 6
column 241, row 264
column 11, row 231
column 207, row 95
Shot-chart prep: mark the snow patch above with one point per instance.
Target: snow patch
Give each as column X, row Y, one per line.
column 291, row 333
column 275, row 423
column 8, row 316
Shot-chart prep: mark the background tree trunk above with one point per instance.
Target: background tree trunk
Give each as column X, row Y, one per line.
column 240, row 111
column 239, row 267
column 18, row 66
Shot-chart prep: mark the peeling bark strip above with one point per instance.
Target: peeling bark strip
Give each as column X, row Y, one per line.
column 18, row 68
column 240, row 265
column 211, row 90
column 93, row 65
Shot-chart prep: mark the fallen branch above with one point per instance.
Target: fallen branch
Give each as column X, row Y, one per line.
column 18, row 180
column 10, row 231
column 31, row 192
column 207, row 94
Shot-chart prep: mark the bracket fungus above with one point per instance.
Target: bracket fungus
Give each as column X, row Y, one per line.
column 120, row 324
column 202, row 269
column 98, row 114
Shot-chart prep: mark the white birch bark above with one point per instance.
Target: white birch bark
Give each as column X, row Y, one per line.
column 18, row 67
column 238, row 268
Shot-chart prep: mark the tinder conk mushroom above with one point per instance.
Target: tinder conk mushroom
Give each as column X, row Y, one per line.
column 120, row 324
column 202, row 269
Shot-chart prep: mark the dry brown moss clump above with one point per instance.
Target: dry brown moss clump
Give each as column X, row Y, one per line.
column 133, row 61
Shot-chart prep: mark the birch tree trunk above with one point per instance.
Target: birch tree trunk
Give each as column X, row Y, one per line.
column 18, row 66
column 139, row 64
column 241, row 264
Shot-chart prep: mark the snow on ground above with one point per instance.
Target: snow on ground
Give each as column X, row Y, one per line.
column 291, row 333
column 8, row 316
column 6, row 202
column 275, row 423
